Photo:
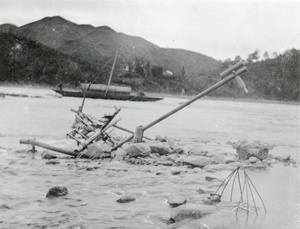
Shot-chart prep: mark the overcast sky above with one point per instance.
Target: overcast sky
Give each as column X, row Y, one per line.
column 220, row 29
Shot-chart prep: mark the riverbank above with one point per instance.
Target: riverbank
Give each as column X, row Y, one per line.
column 165, row 95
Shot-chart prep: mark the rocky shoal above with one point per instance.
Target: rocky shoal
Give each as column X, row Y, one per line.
column 166, row 152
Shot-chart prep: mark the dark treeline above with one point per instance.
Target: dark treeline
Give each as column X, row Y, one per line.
column 27, row 62
column 275, row 78
column 271, row 78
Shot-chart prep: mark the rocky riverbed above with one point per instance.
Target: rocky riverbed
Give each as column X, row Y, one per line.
column 197, row 208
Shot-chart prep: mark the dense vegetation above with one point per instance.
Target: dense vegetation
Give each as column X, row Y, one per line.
column 25, row 61
column 270, row 78
column 28, row 62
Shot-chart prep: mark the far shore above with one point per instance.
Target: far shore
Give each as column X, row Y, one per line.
column 172, row 95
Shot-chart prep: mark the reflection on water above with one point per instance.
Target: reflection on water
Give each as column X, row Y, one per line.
column 91, row 202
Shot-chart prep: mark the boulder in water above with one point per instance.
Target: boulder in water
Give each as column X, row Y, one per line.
column 197, row 152
column 253, row 160
column 126, row 198
column 138, row 150
column 198, row 161
column 191, row 211
column 246, row 149
column 174, row 146
column 97, row 150
column 161, row 148
column 176, row 200
column 48, row 155
column 57, row 191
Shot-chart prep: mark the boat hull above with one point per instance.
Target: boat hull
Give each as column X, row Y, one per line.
column 101, row 95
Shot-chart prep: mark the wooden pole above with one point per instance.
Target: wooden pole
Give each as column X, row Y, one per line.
column 200, row 95
column 84, row 94
column 110, row 76
column 47, row 146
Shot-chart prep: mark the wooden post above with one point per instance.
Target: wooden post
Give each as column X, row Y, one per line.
column 138, row 134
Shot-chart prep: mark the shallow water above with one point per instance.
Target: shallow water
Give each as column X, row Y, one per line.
column 91, row 202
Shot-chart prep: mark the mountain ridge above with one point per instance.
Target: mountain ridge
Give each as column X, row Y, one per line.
column 94, row 44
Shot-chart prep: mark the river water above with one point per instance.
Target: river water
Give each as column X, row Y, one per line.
column 91, row 203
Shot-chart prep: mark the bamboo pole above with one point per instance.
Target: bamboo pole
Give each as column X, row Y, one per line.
column 84, row 94
column 47, row 146
column 200, row 95
column 110, row 76
column 233, row 74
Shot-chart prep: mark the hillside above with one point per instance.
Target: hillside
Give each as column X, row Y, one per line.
column 25, row 61
column 94, row 44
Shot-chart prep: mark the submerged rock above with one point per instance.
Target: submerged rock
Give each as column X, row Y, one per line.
column 126, row 198
column 208, row 178
column 57, row 191
column 197, row 152
column 219, row 159
column 176, row 200
column 174, row 146
column 198, row 161
column 96, row 150
column 161, row 148
column 52, row 163
column 138, row 150
column 253, row 160
column 200, row 191
column 48, row 155
column 4, row 206
column 191, row 211
column 218, row 167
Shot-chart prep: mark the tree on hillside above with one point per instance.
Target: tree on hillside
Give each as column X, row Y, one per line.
column 237, row 59
column 148, row 70
column 157, row 71
column 252, row 57
column 139, row 67
column 266, row 55
column 275, row 55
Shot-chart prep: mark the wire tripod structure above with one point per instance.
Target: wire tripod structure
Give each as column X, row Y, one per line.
column 246, row 188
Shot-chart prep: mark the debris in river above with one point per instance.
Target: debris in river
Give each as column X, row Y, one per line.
column 57, row 191
column 88, row 130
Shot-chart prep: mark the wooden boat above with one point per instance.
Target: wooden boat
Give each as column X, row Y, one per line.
column 100, row 94
column 102, row 91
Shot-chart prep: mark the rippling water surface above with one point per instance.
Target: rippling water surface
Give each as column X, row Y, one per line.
column 94, row 186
